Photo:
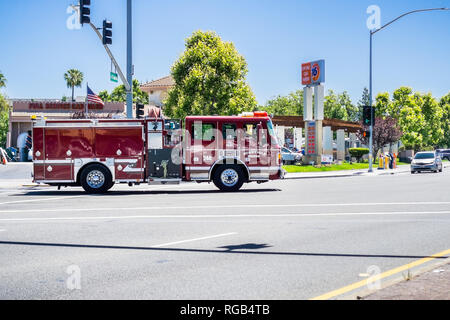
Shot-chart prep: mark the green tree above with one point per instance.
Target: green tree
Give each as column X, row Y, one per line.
column 291, row 105
column 445, row 123
column 210, row 78
column 119, row 94
column 433, row 113
column 4, row 120
column 382, row 104
column 104, row 95
column 352, row 111
column 406, row 108
column 74, row 78
column 2, row 80
column 332, row 107
column 364, row 101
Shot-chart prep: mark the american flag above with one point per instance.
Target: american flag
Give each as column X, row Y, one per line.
column 93, row 98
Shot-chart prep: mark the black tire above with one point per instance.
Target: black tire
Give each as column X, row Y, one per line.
column 235, row 177
column 96, row 179
column 413, row 172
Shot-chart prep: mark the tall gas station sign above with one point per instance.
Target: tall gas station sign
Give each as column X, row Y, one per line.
column 313, row 73
column 313, row 77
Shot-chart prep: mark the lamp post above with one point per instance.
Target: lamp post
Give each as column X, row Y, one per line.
column 371, row 74
column 130, row 70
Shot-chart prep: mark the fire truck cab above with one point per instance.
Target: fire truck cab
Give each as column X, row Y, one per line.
column 96, row 154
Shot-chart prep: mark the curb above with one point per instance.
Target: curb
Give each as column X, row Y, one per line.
column 352, row 173
column 389, row 284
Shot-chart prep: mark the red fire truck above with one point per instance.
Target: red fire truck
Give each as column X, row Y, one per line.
column 96, row 154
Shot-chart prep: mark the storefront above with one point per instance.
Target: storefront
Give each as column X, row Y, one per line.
column 20, row 118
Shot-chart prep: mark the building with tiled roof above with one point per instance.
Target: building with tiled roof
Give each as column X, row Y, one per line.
column 157, row 90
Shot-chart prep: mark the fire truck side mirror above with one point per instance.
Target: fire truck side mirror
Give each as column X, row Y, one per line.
column 259, row 127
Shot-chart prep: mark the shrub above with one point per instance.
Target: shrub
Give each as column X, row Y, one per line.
column 358, row 153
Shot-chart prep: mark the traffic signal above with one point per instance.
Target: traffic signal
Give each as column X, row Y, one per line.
column 85, row 11
column 139, row 111
column 107, row 32
column 368, row 116
column 366, row 134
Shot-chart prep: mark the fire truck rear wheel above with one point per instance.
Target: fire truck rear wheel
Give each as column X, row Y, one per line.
column 229, row 178
column 96, row 179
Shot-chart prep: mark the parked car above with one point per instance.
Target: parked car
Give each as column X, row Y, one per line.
column 426, row 161
column 290, row 157
column 444, row 153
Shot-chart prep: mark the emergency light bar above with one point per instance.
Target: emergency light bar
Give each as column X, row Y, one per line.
column 256, row 114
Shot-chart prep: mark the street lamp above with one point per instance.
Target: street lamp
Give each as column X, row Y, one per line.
column 370, row 89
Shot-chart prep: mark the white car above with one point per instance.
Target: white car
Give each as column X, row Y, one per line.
column 290, row 157
column 426, row 161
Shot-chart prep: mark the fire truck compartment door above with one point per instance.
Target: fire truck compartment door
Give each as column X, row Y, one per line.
column 58, row 164
column 161, row 164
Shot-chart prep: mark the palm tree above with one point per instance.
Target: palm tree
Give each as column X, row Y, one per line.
column 74, row 78
column 2, row 80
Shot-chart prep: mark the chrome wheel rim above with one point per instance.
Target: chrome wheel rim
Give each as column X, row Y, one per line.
column 95, row 179
column 229, row 177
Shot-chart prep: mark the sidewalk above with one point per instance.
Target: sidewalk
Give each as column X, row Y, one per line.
column 352, row 173
column 347, row 173
column 433, row 284
column 15, row 175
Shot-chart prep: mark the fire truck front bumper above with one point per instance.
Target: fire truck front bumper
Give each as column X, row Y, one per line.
column 282, row 173
column 278, row 174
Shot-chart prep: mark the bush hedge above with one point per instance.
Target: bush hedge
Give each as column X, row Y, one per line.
column 358, row 153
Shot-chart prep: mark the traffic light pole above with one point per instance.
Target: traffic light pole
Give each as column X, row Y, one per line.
column 129, row 60
column 371, row 113
column 111, row 56
column 113, row 60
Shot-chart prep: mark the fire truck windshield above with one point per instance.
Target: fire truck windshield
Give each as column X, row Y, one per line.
column 273, row 136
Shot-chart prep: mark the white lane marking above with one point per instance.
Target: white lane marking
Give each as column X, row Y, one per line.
column 222, row 206
column 224, row 216
column 2, row 230
column 192, row 240
column 38, row 200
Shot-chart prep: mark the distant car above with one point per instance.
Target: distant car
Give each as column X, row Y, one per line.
column 426, row 161
column 290, row 157
column 444, row 153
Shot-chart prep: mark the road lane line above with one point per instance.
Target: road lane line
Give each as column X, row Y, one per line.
column 249, row 206
column 192, row 240
column 379, row 277
column 220, row 216
column 39, row 200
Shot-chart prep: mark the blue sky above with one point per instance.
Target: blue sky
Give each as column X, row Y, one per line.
column 275, row 37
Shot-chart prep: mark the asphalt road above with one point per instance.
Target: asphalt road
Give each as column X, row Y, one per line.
column 291, row 239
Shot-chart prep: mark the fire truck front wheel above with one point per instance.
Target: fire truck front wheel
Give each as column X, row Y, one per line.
column 96, row 179
column 229, row 178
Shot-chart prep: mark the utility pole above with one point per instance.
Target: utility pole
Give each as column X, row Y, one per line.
column 371, row 74
column 130, row 59
column 84, row 11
